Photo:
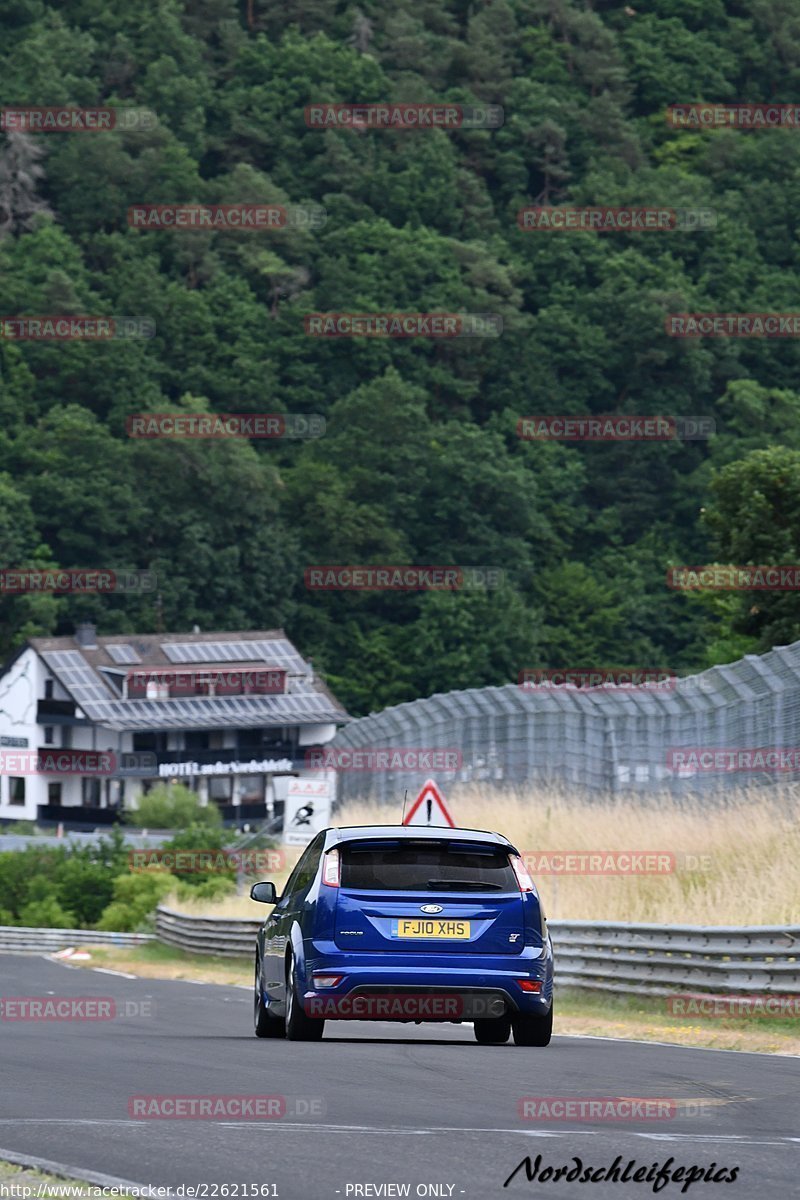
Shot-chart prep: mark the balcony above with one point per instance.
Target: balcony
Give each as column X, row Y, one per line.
column 177, row 683
column 58, row 712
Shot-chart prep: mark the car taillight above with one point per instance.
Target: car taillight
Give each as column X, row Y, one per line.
column 523, row 878
column 530, row 985
column 330, row 871
column 326, row 981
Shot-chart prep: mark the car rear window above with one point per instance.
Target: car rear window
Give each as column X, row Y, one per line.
column 426, row 866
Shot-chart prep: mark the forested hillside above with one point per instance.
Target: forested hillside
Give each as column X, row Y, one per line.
column 421, row 462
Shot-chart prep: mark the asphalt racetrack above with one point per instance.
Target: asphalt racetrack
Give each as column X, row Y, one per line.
column 373, row 1109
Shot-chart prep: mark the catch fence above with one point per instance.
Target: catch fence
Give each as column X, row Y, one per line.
column 609, row 738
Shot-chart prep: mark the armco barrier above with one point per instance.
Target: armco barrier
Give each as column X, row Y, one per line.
column 602, row 955
column 234, row 937
column 19, row 939
column 659, row 959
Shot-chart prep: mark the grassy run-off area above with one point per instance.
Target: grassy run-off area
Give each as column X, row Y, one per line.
column 26, row 1183
column 578, row 1011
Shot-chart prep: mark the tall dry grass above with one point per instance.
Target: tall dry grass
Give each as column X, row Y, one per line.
column 737, row 859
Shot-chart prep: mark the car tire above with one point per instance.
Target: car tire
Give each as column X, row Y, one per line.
column 492, row 1031
column 531, row 1030
column 299, row 1027
column 266, row 1026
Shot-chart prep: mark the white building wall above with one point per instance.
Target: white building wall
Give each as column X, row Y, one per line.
column 23, row 686
column 20, row 689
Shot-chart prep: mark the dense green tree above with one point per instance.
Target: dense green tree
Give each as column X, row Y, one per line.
column 421, row 462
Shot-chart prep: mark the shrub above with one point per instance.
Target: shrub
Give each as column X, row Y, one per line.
column 110, row 851
column 29, row 828
column 198, row 838
column 134, row 900
column 172, row 806
column 21, row 870
column 84, row 887
column 43, row 909
column 212, row 887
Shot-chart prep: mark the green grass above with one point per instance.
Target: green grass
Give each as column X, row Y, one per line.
column 26, row 1181
column 156, row 961
column 646, row 1018
column 611, row 1006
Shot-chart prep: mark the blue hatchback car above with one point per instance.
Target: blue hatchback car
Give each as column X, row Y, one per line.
column 393, row 922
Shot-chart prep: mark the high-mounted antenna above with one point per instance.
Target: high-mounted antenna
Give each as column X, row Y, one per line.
column 405, row 802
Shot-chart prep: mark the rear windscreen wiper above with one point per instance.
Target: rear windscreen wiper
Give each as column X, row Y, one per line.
column 463, row 885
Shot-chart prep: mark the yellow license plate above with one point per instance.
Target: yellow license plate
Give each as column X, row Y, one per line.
column 436, row 928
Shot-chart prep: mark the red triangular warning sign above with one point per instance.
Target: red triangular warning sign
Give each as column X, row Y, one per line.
column 429, row 808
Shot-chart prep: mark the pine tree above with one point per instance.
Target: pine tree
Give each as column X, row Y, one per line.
column 20, row 173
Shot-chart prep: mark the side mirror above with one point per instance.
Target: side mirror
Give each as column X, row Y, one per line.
column 264, row 893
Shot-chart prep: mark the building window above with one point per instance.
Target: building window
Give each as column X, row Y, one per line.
column 220, row 790
column 195, row 739
column 157, row 742
column 251, row 789
column 48, row 689
column 249, row 740
column 54, row 793
column 16, row 790
column 90, row 793
column 49, row 735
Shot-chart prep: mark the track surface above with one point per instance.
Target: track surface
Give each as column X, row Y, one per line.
column 389, row 1104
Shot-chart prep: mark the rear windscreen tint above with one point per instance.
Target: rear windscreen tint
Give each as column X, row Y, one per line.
column 402, row 867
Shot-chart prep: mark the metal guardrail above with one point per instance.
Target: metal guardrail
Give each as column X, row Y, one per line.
column 234, row 937
column 17, row 939
column 660, row 959
column 601, row 955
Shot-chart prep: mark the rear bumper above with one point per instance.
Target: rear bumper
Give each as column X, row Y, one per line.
column 484, row 986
